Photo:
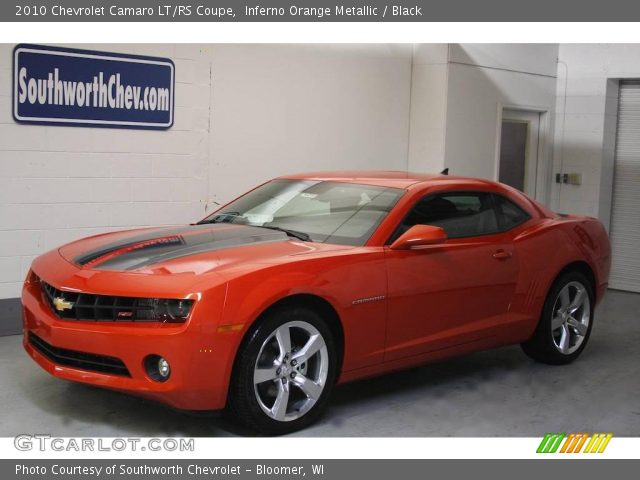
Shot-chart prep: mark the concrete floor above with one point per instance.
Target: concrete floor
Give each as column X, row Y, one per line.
column 494, row 393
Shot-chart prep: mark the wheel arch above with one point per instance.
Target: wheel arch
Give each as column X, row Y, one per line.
column 314, row 302
column 539, row 345
column 321, row 306
column 582, row 267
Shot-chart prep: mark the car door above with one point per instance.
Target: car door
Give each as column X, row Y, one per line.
column 452, row 293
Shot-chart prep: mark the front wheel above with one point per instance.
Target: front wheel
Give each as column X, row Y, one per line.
column 284, row 372
column 566, row 321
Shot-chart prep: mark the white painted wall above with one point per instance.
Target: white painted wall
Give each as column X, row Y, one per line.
column 484, row 79
column 428, row 107
column 243, row 114
column 588, row 77
column 534, row 58
column 458, row 92
column 280, row 109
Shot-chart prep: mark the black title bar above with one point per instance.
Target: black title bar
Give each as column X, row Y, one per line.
column 318, row 11
column 313, row 469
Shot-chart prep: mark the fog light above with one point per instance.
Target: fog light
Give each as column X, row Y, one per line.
column 163, row 368
column 157, row 368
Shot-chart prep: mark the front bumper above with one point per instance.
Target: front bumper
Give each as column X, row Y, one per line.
column 201, row 360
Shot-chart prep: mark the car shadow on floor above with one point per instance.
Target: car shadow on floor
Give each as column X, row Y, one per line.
column 103, row 412
column 129, row 415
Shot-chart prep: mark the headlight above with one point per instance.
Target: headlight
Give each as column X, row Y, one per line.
column 32, row 278
column 164, row 310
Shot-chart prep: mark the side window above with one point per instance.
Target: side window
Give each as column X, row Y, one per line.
column 459, row 214
column 509, row 214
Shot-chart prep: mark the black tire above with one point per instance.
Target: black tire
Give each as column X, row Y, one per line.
column 243, row 402
column 541, row 346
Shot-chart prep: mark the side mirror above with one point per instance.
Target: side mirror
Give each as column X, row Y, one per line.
column 419, row 236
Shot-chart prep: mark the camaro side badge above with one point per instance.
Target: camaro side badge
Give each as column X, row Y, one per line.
column 367, row 300
column 61, row 304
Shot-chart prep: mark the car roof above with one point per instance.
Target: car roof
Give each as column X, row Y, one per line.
column 390, row 178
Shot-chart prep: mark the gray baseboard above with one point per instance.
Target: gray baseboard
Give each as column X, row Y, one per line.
column 10, row 317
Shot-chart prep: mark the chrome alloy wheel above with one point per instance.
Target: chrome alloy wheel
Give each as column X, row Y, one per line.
column 571, row 316
column 291, row 371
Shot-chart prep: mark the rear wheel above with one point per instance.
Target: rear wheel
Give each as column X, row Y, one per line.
column 284, row 372
column 566, row 322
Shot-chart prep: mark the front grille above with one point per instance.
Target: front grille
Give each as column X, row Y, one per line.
column 82, row 360
column 103, row 308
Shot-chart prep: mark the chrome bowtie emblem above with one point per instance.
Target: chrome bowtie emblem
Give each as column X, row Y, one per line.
column 61, row 304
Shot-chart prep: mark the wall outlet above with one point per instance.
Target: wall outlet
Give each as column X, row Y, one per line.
column 569, row 178
column 575, row 179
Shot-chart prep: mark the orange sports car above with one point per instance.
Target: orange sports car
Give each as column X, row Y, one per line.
column 312, row 280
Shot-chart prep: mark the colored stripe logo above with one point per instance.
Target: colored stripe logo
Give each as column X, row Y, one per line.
column 574, row 442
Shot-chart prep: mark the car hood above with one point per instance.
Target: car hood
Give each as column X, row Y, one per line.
column 184, row 249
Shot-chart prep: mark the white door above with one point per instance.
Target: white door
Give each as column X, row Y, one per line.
column 519, row 145
column 625, row 211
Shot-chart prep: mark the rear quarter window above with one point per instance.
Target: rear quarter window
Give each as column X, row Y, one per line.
column 509, row 214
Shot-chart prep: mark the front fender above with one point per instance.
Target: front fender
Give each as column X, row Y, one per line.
column 340, row 280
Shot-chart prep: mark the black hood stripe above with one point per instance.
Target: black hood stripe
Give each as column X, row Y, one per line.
column 167, row 244
column 93, row 255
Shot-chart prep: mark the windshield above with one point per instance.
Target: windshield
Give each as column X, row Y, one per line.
column 329, row 212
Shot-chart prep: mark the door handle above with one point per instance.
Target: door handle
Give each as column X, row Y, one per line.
column 502, row 254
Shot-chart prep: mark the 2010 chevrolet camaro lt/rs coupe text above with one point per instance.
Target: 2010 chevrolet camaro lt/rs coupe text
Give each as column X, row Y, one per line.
column 312, row 280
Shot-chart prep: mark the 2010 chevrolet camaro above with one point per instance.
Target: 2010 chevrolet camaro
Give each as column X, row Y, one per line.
column 312, row 280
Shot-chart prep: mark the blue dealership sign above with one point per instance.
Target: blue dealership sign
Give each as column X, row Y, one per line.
column 63, row 86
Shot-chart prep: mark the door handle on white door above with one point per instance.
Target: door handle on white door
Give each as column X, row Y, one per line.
column 502, row 254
